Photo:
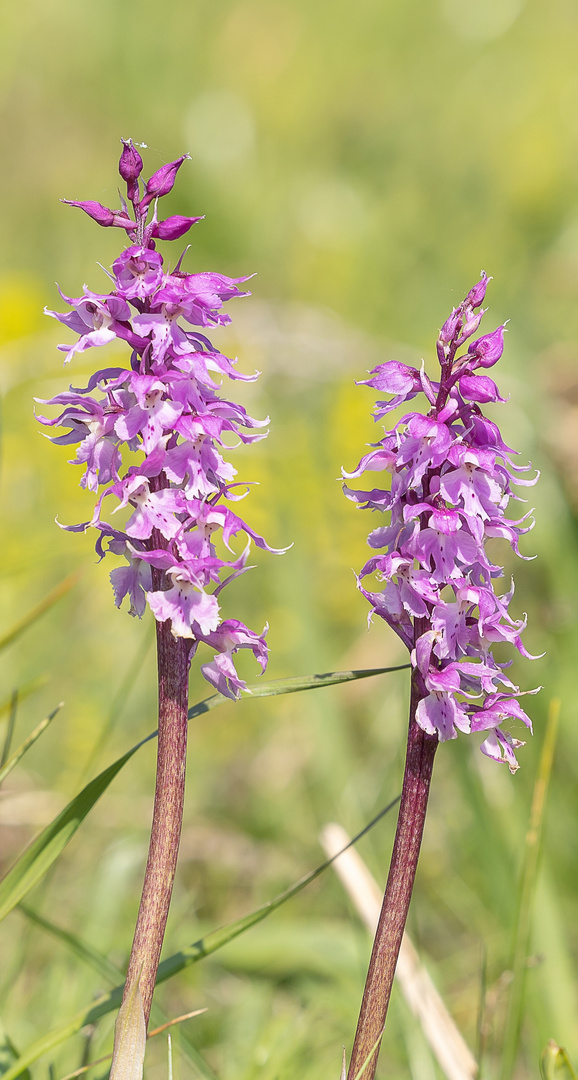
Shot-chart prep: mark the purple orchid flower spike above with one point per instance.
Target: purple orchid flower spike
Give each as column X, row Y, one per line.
column 150, row 436
column 449, row 481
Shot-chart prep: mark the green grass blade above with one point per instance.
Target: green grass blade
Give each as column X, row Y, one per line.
column 9, row 763
column 23, row 692
column 120, row 700
column 48, row 845
column 9, row 728
column 105, row 968
column 8, row 1054
column 526, row 897
column 295, row 684
column 555, row 1063
column 179, row 961
column 49, row 600
column 85, row 952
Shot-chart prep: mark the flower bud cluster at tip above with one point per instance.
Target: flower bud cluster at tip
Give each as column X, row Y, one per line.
column 166, row 408
column 451, row 481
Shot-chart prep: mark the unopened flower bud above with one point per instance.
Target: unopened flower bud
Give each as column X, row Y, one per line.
column 173, row 227
column 163, row 180
column 102, row 215
column 476, row 295
column 130, row 167
column 487, row 350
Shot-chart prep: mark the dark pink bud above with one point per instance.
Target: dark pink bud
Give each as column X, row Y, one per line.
column 163, row 180
column 130, row 164
column 479, row 388
column 102, row 215
column 476, row 295
column 173, row 227
column 487, row 350
column 130, row 168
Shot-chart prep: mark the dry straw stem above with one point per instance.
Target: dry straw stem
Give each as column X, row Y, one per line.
column 453, row 1055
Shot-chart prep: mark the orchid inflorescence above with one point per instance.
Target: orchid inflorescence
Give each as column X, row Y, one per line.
column 451, row 476
column 166, row 406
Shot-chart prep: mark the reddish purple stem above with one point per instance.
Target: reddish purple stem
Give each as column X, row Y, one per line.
column 173, row 671
column 173, row 659
column 421, row 749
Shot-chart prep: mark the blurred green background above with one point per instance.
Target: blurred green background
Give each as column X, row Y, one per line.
column 365, row 161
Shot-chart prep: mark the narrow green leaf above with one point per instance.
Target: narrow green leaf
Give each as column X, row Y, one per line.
column 48, row 845
column 8, row 1054
column 85, row 952
column 29, row 741
column 120, row 699
column 49, row 600
column 523, row 926
column 294, row 685
column 105, row 968
column 555, row 1063
column 23, row 692
column 9, row 728
column 179, row 961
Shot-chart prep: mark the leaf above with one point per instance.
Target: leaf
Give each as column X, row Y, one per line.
column 49, row 600
column 23, row 692
column 104, row 967
column 295, row 684
column 555, row 1063
column 523, row 923
column 8, row 1054
column 89, row 955
column 48, row 845
column 45, row 849
column 130, row 1038
column 179, row 961
column 29, row 741
column 9, row 728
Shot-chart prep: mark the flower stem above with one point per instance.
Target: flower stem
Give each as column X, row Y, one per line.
column 421, row 749
column 173, row 675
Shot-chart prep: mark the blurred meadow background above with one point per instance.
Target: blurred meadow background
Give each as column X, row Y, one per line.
column 365, row 161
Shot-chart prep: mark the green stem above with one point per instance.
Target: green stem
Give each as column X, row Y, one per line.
column 421, row 749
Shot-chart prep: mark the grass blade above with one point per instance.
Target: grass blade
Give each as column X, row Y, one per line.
column 49, row 600
column 9, row 728
column 178, row 962
column 48, row 845
column 8, row 1054
column 555, row 1063
column 23, row 692
column 527, row 889
column 295, row 684
column 105, row 968
column 119, row 700
column 150, row 1035
column 8, row 763
column 85, row 952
